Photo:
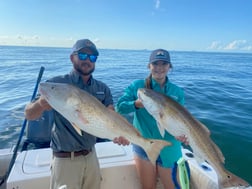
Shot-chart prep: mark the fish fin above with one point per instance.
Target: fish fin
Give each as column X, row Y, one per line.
column 219, row 153
column 78, row 130
column 80, row 116
column 153, row 149
column 161, row 130
column 204, row 128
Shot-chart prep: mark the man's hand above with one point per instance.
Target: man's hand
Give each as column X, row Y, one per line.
column 121, row 141
column 35, row 109
column 44, row 104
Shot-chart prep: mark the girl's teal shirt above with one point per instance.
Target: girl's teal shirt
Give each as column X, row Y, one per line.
column 145, row 123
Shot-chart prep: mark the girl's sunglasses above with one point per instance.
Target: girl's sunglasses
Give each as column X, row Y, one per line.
column 84, row 56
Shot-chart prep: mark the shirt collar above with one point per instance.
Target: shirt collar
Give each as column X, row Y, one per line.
column 76, row 77
column 156, row 86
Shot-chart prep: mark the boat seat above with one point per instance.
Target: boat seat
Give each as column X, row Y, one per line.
column 38, row 132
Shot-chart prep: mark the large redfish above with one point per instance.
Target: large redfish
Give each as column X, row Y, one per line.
column 178, row 121
column 87, row 113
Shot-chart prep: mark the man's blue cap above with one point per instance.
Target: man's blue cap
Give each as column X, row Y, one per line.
column 160, row 54
column 85, row 44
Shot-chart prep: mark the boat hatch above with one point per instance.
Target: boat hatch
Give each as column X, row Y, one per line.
column 37, row 161
column 110, row 153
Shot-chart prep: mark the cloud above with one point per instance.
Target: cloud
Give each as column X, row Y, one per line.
column 26, row 38
column 96, row 40
column 4, row 37
column 36, row 40
column 157, row 4
column 215, row 45
column 236, row 45
column 248, row 48
column 35, row 37
column 19, row 37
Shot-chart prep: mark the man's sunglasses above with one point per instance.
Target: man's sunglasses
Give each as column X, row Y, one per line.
column 84, row 56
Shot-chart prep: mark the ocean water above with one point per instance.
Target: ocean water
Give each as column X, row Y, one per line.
column 218, row 90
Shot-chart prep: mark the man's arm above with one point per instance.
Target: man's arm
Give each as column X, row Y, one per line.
column 35, row 109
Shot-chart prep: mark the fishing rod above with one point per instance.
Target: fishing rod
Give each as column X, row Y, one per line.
column 13, row 159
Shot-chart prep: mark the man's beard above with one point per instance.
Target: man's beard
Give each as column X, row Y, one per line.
column 81, row 72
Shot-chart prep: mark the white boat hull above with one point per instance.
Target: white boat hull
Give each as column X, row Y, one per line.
column 32, row 169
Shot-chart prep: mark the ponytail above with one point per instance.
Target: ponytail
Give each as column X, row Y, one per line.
column 148, row 82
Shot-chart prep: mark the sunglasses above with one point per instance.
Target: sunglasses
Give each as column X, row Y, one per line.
column 84, row 56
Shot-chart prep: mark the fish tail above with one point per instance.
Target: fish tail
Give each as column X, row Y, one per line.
column 154, row 148
column 231, row 180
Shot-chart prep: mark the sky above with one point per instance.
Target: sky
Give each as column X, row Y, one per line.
column 182, row 25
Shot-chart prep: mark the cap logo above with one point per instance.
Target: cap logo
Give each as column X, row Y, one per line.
column 88, row 43
column 160, row 53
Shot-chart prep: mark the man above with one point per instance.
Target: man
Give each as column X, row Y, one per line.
column 75, row 163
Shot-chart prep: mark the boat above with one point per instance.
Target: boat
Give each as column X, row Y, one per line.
column 32, row 168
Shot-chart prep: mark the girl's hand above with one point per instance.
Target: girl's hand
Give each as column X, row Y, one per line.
column 183, row 139
column 121, row 141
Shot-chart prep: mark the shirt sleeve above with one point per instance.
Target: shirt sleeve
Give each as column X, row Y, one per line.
column 126, row 103
column 108, row 97
column 181, row 97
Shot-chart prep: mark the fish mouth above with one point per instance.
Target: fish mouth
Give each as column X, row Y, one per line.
column 139, row 92
column 139, row 96
column 42, row 90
